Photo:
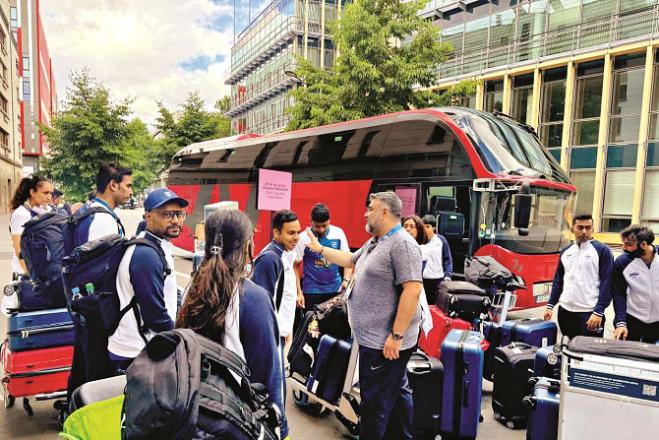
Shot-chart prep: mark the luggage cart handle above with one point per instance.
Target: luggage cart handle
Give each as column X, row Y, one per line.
column 45, row 329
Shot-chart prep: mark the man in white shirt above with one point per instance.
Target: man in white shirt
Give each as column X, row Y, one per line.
column 439, row 263
column 114, row 186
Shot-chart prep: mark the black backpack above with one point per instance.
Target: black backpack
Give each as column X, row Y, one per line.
column 185, row 386
column 487, row 273
column 95, row 265
column 46, row 240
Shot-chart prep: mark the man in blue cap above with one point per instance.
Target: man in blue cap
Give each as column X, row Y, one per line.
column 144, row 275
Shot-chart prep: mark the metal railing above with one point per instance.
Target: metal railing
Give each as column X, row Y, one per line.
column 613, row 30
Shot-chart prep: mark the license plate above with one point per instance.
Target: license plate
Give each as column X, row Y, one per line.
column 541, row 298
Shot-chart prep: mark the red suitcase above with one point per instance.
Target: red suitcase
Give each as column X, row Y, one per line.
column 32, row 372
column 441, row 326
column 37, row 360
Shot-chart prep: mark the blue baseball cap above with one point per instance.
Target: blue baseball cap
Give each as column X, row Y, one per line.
column 162, row 196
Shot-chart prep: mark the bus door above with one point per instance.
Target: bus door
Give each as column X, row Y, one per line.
column 450, row 203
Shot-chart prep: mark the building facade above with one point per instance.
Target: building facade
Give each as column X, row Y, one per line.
column 39, row 98
column 265, row 49
column 585, row 74
column 10, row 134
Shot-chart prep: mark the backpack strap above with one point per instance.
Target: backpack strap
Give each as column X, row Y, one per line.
column 79, row 216
column 279, row 291
column 142, row 328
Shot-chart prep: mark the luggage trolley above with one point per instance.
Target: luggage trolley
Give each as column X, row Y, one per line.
column 346, row 409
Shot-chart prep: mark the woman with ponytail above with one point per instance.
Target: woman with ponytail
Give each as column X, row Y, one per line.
column 223, row 305
column 32, row 197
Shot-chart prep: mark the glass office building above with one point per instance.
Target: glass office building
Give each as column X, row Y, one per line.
column 585, row 74
column 265, row 49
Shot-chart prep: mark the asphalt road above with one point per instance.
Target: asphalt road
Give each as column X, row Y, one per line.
column 15, row 424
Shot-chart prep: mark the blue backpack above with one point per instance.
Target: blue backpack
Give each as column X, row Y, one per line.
column 46, row 240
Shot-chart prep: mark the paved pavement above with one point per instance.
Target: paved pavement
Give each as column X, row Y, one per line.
column 15, row 424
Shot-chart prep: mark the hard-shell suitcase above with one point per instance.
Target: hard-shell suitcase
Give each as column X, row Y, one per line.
column 98, row 390
column 426, row 375
column 536, row 332
column 513, row 367
column 543, row 410
column 303, row 348
column 493, row 333
column 329, row 369
column 28, row 299
column 41, row 329
column 613, row 386
column 441, row 325
column 547, row 362
column 464, row 306
column 37, row 382
column 462, row 356
column 36, row 360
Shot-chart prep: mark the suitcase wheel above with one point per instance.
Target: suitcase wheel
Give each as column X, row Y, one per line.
column 27, row 407
column 510, row 424
column 9, row 401
column 497, row 416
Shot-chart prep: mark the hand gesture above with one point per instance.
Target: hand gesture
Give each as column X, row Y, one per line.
column 314, row 245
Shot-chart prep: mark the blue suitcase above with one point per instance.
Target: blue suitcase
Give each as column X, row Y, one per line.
column 42, row 329
column 548, row 362
column 329, row 369
column 543, row 414
column 462, row 355
column 536, row 332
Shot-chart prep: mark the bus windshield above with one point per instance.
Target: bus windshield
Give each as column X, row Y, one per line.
column 549, row 228
column 507, row 146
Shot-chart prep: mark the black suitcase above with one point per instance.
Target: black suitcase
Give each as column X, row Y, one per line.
column 303, row 348
column 332, row 317
column 426, row 377
column 459, row 299
column 513, row 367
column 329, row 369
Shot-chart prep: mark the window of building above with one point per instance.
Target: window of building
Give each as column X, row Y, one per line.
column 552, row 108
column 26, row 90
column 522, row 97
column 626, row 100
column 650, row 204
column 494, row 96
column 4, row 139
column 587, row 103
column 582, row 172
column 618, row 199
column 3, row 41
column 3, row 104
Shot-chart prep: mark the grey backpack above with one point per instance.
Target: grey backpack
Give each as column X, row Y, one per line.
column 185, row 386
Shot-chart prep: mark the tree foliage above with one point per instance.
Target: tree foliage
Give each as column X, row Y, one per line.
column 88, row 131
column 189, row 124
column 388, row 57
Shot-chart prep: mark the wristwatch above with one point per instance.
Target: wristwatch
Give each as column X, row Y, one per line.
column 396, row 336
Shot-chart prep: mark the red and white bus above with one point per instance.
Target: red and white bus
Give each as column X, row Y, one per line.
column 465, row 164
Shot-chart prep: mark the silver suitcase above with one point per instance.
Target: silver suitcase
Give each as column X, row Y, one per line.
column 609, row 390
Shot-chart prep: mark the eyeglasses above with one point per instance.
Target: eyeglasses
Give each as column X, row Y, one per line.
column 169, row 215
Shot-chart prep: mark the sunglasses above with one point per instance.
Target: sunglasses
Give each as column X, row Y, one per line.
column 169, row 215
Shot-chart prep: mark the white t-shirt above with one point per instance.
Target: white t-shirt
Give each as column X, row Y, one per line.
column 102, row 224
column 434, row 268
column 19, row 217
column 286, row 314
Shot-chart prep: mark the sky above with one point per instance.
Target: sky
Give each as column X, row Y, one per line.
column 146, row 50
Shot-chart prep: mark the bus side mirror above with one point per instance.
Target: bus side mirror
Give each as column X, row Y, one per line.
column 523, row 213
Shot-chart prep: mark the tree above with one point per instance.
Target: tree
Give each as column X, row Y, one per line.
column 387, row 56
column 90, row 130
column 190, row 124
column 141, row 151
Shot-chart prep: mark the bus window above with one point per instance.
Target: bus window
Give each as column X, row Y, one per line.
column 423, row 149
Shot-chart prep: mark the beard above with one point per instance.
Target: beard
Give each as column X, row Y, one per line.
column 638, row 253
column 368, row 228
column 173, row 232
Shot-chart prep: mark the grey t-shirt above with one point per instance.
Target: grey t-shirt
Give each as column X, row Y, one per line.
column 374, row 299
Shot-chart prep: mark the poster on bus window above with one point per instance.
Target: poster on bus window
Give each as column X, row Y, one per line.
column 408, row 197
column 274, row 190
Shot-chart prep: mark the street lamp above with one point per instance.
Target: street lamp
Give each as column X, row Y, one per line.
column 296, row 79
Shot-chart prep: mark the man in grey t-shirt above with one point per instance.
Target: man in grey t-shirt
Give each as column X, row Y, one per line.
column 384, row 315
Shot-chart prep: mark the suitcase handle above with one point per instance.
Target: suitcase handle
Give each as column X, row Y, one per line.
column 46, row 329
column 40, row 373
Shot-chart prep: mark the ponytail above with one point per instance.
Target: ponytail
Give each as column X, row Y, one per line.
column 22, row 193
column 228, row 244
